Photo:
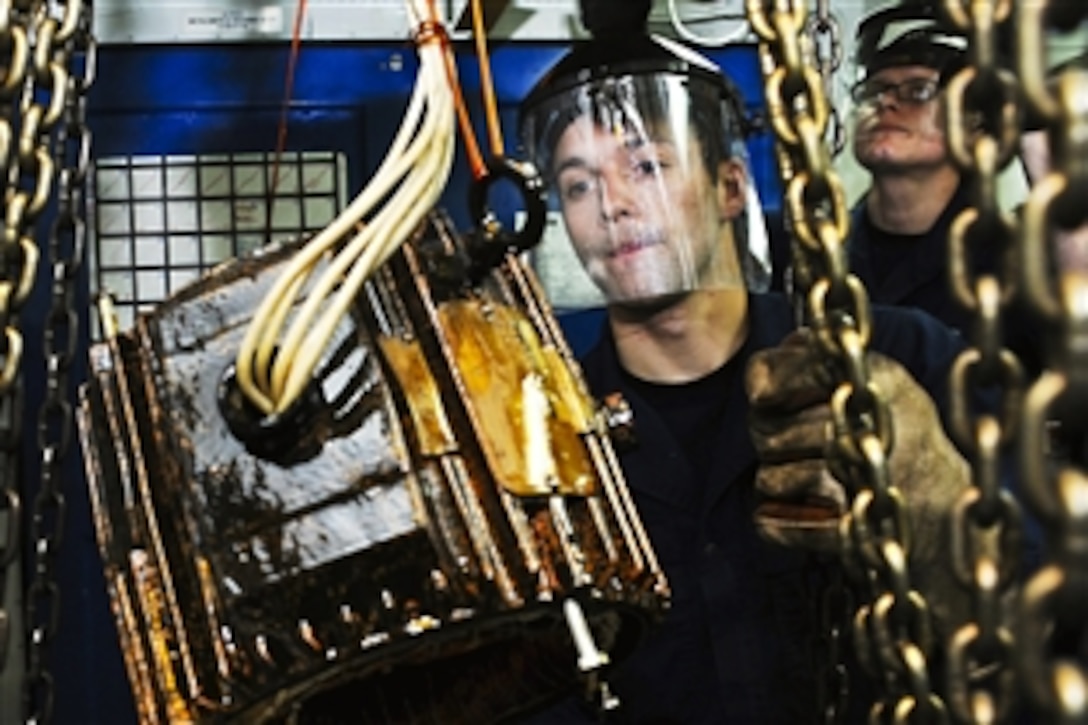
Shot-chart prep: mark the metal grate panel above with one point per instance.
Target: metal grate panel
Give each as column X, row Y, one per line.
column 162, row 221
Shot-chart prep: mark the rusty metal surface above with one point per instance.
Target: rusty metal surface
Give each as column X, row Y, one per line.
column 359, row 561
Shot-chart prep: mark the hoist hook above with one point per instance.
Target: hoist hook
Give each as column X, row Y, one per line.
column 491, row 241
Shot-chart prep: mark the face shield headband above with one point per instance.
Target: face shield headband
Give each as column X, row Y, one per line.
column 649, row 173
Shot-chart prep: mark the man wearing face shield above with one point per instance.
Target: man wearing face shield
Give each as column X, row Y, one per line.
column 641, row 142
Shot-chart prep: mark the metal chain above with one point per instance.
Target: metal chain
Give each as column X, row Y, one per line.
column 18, row 266
column 31, row 190
column 825, row 34
column 983, row 130
column 1053, row 629
column 892, row 623
column 63, row 46
column 833, row 607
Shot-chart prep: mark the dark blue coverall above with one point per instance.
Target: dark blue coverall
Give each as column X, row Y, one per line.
column 734, row 647
column 911, row 271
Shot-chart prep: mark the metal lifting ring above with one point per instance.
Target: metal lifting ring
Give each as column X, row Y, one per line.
column 525, row 177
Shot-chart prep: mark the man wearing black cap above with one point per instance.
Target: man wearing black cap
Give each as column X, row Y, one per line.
column 901, row 223
column 900, row 226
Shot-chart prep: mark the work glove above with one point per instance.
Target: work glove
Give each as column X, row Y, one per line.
column 801, row 503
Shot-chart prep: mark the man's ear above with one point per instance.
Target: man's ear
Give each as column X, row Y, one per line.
column 731, row 188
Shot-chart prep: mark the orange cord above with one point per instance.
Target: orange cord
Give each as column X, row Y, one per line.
column 430, row 31
column 285, row 106
column 487, row 86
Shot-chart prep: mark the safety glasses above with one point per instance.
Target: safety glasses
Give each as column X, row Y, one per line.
column 913, row 91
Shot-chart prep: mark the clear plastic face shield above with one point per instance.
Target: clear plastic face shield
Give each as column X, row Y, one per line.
column 649, row 176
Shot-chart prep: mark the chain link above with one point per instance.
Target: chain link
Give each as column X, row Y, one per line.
column 833, row 608
column 32, row 188
column 891, row 626
column 825, row 34
column 18, row 266
column 983, row 130
column 1053, row 662
column 53, row 133
column 71, row 65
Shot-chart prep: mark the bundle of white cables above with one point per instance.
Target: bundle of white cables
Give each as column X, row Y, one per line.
column 406, row 187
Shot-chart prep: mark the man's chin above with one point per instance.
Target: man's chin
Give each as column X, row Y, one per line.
column 647, row 303
column 886, row 161
column 875, row 155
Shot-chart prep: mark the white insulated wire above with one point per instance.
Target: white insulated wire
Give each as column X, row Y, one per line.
column 410, row 180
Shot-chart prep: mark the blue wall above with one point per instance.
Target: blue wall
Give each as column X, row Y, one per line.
column 174, row 99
